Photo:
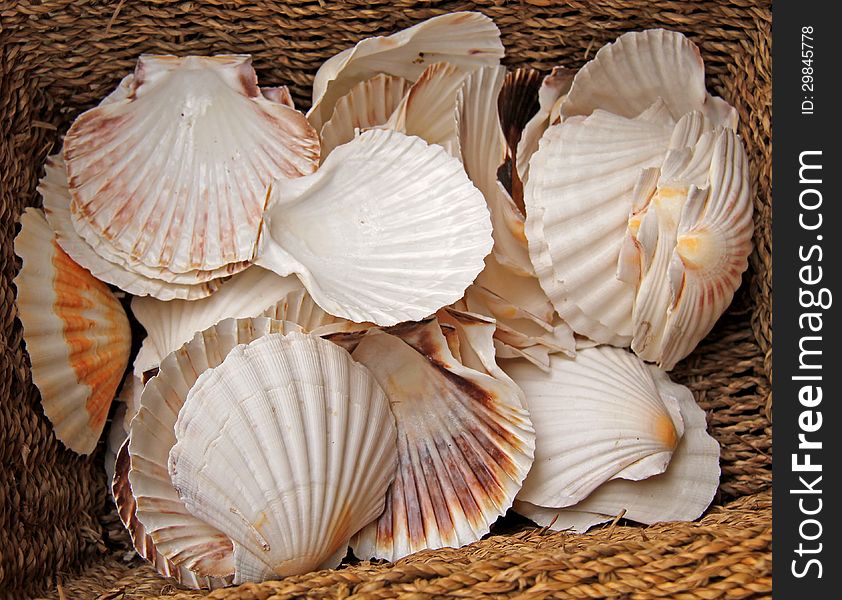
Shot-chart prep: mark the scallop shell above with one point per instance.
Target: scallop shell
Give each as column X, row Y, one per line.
column 653, row 226
column 225, row 142
column 170, row 324
column 554, row 88
column 76, row 333
column 516, row 105
column 428, row 110
column 483, row 148
column 598, row 417
column 288, row 446
column 464, row 442
column 56, row 198
column 124, row 500
column 384, row 245
column 178, row 535
column 714, row 240
column 526, row 325
column 628, row 75
column 368, row 104
column 681, row 493
column 578, row 198
column 464, row 39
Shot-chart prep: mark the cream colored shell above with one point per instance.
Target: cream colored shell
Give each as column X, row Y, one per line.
column 288, row 446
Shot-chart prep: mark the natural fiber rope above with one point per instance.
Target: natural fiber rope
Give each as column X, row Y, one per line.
column 59, row 57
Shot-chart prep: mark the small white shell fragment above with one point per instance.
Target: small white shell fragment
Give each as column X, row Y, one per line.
column 175, row 532
column 56, row 198
column 681, row 493
column 288, row 446
column 368, row 104
column 628, row 75
column 384, row 245
column 175, row 174
column 597, row 417
column 428, row 110
column 124, row 500
column 465, row 442
column 578, row 199
column 464, row 39
column 170, row 324
column 76, row 334
column 280, row 94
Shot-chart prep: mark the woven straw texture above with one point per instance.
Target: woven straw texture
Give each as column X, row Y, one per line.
column 59, row 537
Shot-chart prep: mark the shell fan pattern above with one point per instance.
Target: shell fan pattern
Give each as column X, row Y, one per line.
column 449, row 290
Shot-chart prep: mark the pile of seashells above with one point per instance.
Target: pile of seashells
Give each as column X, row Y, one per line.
column 385, row 323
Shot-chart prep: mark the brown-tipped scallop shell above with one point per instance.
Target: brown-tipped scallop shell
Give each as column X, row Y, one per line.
column 465, row 442
column 76, row 333
column 175, row 174
column 428, row 109
column 137, row 281
column 121, row 489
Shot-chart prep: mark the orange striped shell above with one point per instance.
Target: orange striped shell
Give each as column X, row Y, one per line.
column 76, row 333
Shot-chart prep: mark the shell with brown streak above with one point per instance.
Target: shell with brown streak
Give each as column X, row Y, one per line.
column 465, row 442
column 175, row 174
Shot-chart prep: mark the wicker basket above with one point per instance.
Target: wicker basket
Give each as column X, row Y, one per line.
column 59, row 534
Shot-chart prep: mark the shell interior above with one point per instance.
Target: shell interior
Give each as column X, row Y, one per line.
column 386, row 244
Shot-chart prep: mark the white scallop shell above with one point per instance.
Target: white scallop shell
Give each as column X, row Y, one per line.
column 56, row 197
column 175, row 532
column 367, row 104
column 483, row 147
column 197, row 204
column 578, row 199
column 428, row 110
column 288, row 447
column 464, row 441
column 628, row 75
column 597, row 417
column 76, row 334
column 681, row 493
column 714, row 240
column 658, row 206
column 465, row 39
column 170, row 324
column 554, row 87
column 384, row 245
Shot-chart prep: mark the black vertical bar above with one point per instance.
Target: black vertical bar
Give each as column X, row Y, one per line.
column 806, row 333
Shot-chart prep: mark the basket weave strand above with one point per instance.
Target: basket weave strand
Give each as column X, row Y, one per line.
column 58, row 58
